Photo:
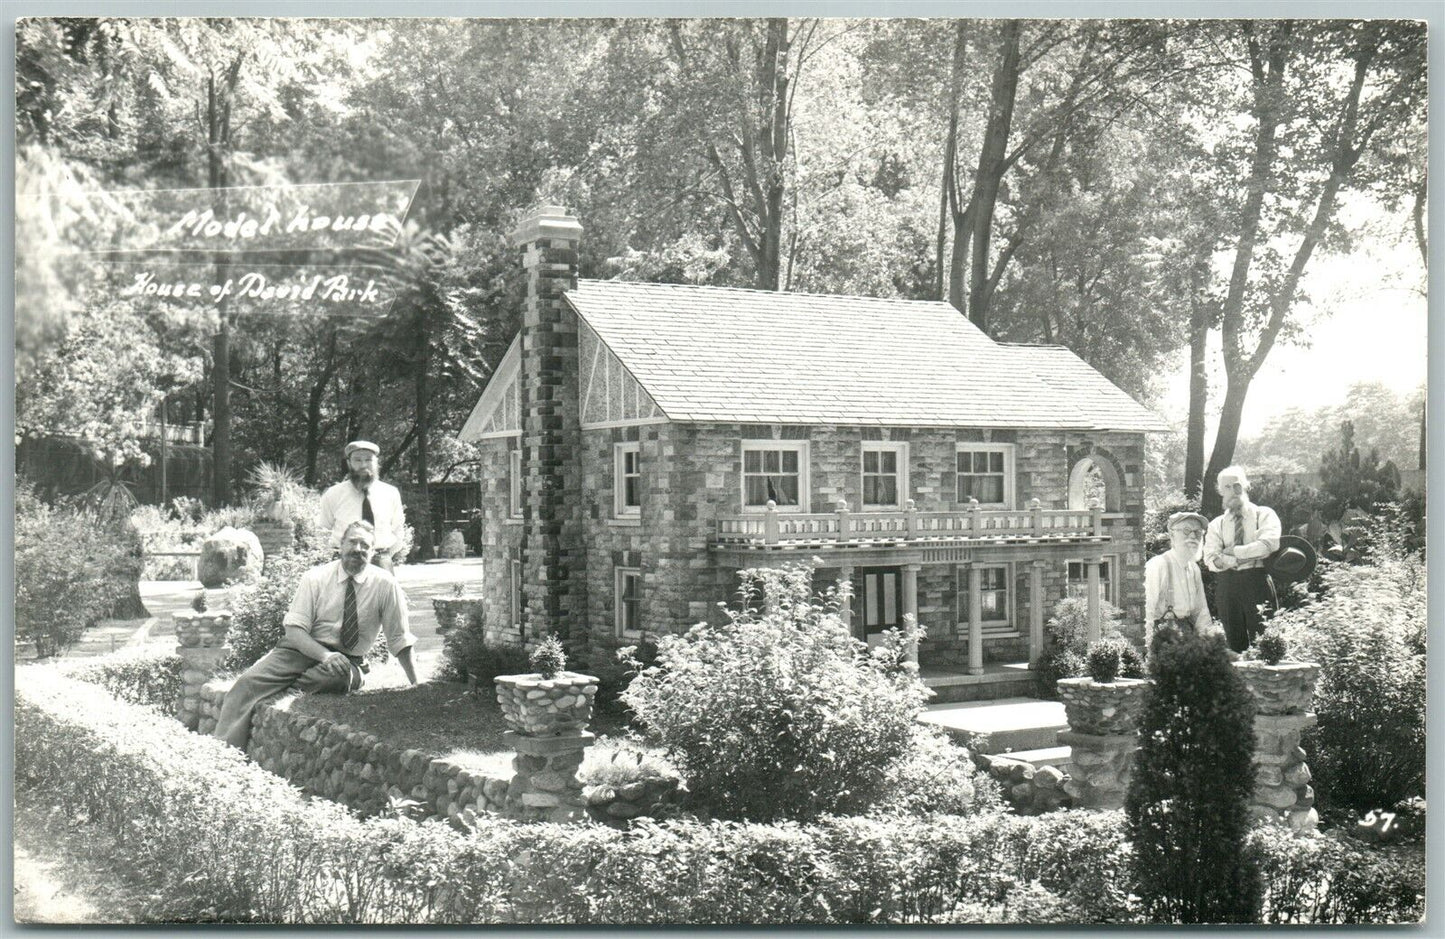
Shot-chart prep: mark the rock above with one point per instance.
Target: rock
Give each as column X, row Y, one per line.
column 1048, row 777
column 621, row 809
column 541, row 800
column 453, row 545
column 549, row 782
column 1297, row 775
column 1268, row 776
column 1022, row 794
column 1306, row 820
column 229, row 556
column 599, row 795
column 632, row 791
column 1276, row 796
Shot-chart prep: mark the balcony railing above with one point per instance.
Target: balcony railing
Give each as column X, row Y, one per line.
column 772, row 527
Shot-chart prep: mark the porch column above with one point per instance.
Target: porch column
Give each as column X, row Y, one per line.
column 1036, row 612
column 1092, row 566
column 975, row 619
column 845, row 576
column 910, row 602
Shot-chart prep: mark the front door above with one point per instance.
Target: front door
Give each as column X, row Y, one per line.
column 880, row 602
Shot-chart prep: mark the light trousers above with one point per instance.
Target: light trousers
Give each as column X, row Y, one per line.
column 277, row 670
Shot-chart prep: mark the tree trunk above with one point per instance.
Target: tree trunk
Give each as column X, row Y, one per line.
column 423, row 525
column 773, row 144
column 1198, row 396
column 948, row 196
column 218, row 137
column 1230, row 415
column 313, row 410
column 992, row 163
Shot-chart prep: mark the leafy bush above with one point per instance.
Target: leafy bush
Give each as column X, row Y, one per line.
column 1188, row 798
column 1313, row 878
column 64, row 558
column 937, row 776
column 779, row 713
column 1367, row 632
column 1057, row 662
column 1066, row 641
column 616, row 763
column 467, row 656
column 149, row 675
column 1105, row 658
column 1271, row 646
column 213, row 837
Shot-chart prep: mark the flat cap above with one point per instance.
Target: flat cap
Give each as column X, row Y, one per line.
column 361, row 445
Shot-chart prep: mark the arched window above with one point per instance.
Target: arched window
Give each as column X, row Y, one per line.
column 1094, row 477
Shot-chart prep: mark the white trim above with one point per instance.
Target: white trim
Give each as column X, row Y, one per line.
column 1009, row 469
column 619, row 455
column 1010, row 583
column 634, row 422
column 804, row 450
column 619, row 573
column 899, row 447
column 494, row 394
column 514, row 590
column 497, row 435
column 1112, row 581
column 515, row 493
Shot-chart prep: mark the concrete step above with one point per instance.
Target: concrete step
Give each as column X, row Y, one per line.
column 1000, row 681
column 1000, row 726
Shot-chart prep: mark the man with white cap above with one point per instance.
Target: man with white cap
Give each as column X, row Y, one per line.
column 363, row 497
column 1236, row 547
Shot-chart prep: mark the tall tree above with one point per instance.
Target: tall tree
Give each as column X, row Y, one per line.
column 1316, row 97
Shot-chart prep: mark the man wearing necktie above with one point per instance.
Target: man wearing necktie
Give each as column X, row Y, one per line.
column 361, row 496
column 1235, row 548
column 339, row 610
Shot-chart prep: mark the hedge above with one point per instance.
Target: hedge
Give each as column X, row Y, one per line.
column 216, row 838
column 149, row 675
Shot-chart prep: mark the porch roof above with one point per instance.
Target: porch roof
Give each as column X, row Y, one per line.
column 717, row 354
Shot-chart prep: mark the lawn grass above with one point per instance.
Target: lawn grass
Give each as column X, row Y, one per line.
column 445, row 719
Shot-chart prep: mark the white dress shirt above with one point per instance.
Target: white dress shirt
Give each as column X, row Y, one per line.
column 1171, row 583
column 1261, row 537
column 341, row 505
column 320, row 604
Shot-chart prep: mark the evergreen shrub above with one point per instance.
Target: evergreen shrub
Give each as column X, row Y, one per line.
column 149, row 675
column 780, row 712
column 1188, row 798
column 1066, row 642
column 468, row 657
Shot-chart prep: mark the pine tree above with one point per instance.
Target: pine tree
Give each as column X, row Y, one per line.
column 1188, row 800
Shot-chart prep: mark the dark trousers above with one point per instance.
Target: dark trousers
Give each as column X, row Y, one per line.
column 1238, row 596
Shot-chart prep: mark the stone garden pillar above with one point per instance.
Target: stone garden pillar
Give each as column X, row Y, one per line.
column 201, row 639
column 1282, row 696
column 1103, row 735
column 548, row 720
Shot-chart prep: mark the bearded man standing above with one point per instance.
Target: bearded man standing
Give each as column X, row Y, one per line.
column 1236, row 547
column 361, row 496
column 339, row 610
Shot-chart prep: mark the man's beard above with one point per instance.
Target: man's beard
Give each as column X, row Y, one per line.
column 354, row 562
column 363, row 477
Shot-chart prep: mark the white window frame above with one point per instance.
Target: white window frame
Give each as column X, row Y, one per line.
column 1010, row 593
column 514, row 590
column 620, row 508
column 514, row 483
column 1007, row 449
column 620, row 575
column 1111, row 582
column 803, row 450
column 898, row 447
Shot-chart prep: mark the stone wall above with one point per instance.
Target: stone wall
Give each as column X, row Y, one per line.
column 501, row 539
column 360, row 771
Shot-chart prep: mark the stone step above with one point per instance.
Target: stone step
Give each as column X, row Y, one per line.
column 1058, row 757
column 1000, row 726
column 999, row 681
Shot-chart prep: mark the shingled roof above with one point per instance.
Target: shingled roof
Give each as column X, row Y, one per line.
column 718, row 354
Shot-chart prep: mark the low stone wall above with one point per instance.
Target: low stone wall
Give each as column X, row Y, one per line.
column 1029, row 790
column 360, row 771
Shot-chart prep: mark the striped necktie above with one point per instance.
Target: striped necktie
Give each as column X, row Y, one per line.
column 1238, row 527
column 350, row 622
column 366, row 515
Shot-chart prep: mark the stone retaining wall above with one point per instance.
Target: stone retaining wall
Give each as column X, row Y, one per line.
column 358, row 770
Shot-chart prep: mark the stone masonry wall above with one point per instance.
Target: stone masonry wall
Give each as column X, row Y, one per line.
column 501, row 538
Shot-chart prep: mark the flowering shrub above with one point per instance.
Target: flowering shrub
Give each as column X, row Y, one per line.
column 64, row 558
column 1367, row 632
column 213, row 837
column 779, row 713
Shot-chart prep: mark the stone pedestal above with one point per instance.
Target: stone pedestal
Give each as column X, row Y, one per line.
column 274, row 537
column 1102, row 736
column 201, row 644
column 1101, row 764
column 1283, row 694
column 548, row 717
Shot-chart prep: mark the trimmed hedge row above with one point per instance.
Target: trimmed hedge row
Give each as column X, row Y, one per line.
column 149, row 675
column 219, row 839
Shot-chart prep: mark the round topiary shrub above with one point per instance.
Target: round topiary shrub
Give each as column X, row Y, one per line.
column 1104, row 658
column 1272, row 647
column 780, row 713
column 547, row 657
column 1188, row 798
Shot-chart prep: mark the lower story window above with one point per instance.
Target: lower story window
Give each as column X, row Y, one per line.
column 1078, row 585
column 993, row 598
column 515, row 591
column 629, row 600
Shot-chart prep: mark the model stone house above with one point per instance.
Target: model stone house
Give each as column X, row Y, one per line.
column 644, row 442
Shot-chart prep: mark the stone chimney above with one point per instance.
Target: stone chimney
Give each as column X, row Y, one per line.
column 554, row 581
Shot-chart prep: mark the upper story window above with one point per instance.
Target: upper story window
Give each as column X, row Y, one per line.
column 627, row 479
column 986, row 473
column 776, row 471
column 514, row 483
column 885, row 475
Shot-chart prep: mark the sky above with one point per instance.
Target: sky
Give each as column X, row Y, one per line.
column 1368, row 323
